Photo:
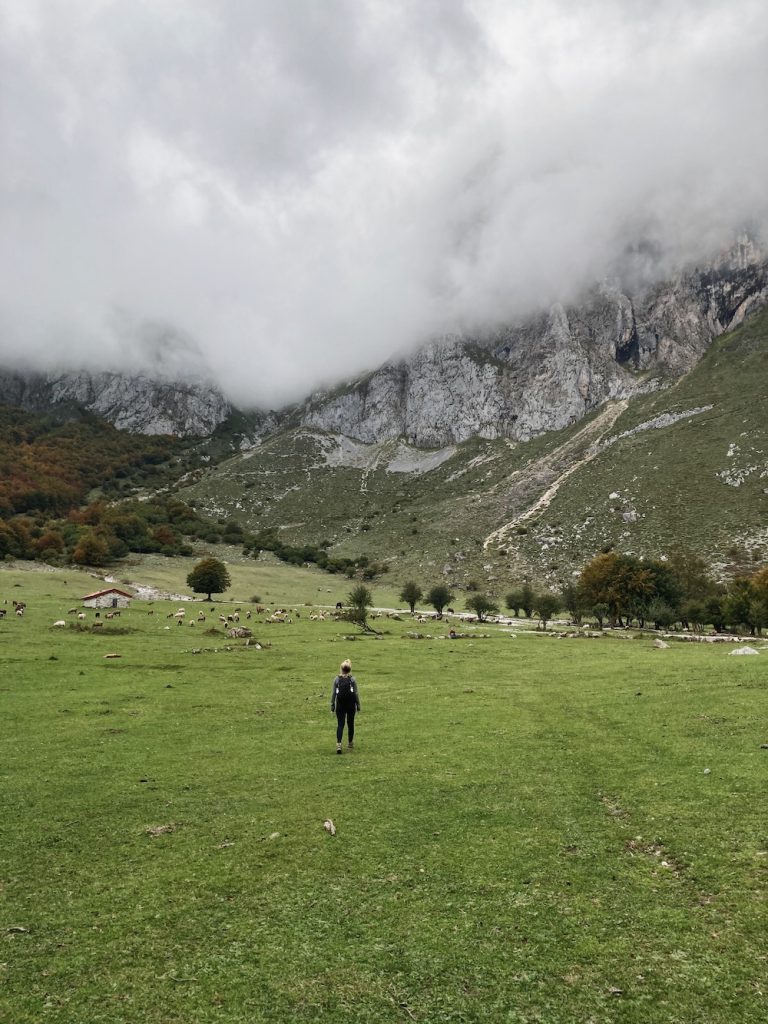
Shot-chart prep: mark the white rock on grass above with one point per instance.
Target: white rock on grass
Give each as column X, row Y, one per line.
column 661, row 645
column 744, row 650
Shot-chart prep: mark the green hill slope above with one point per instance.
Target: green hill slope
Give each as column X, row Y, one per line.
column 687, row 463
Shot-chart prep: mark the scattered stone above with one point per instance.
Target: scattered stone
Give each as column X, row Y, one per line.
column 707, row 771
column 744, row 650
column 161, row 830
column 239, row 633
column 329, row 826
column 661, row 645
column 113, row 655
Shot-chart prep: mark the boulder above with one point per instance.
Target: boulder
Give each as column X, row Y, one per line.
column 743, row 650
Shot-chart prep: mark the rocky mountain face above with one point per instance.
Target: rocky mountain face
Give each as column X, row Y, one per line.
column 554, row 369
column 134, row 403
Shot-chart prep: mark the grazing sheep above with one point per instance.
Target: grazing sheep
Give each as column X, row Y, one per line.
column 72, row 611
column 60, row 623
column 151, row 611
column 81, row 615
column 97, row 625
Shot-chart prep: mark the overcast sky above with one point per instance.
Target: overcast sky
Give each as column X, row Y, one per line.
column 292, row 190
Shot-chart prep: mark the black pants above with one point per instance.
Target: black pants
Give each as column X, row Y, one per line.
column 349, row 715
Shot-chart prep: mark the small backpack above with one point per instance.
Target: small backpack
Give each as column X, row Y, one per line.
column 345, row 691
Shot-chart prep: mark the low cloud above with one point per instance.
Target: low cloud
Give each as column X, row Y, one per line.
column 282, row 195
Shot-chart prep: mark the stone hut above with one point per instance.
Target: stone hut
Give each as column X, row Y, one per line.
column 112, row 598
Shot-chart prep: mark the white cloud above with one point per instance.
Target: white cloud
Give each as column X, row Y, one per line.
column 301, row 189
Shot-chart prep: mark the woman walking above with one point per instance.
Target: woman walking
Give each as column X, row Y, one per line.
column 345, row 701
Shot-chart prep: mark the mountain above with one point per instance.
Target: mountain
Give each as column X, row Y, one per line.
column 634, row 420
column 551, row 370
column 684, row 460
column 133, row 403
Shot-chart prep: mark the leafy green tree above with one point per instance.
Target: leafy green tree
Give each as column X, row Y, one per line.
column 546, row 604
column 716, row 612
column 527, row 599
column 601, row 612
column 758, row 615
column 359, row 602
column 209, row 577
column 693, row 614
column 690, row 573
column 737, row 606
column 514, row 601
column 411, row 594
column 439, row 596
column 661, row 614
column 482, row 605
column 572, row 599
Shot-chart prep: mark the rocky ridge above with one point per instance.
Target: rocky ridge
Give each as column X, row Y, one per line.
column 134, row 403
column 553, row 369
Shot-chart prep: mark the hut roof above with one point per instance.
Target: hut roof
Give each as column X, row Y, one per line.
column 110, row 590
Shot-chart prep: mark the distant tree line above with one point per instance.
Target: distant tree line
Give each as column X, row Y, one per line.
column 622, row 590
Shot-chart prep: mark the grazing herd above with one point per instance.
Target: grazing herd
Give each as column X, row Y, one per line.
column 229, row 620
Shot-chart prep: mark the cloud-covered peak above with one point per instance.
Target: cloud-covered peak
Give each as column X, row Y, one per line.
column 297, row 190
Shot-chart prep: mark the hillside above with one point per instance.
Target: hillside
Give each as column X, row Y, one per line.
column 686, row 463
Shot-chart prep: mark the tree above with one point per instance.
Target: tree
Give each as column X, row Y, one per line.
column 601, row 611
column 693, row 614
column 738, row 604
column 661, row 614
column 481, row 605
column 572, row 599
column 439, row 597
column 527, row 599
column 514, row 601
column 91, row 550
column 209, row 577
column 359, row 601
column 411, row 593
column 546, row 605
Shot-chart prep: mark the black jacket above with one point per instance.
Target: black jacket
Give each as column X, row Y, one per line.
column 345, row 703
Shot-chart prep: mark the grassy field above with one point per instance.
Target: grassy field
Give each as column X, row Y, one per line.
column 266, row 578
column 531, row 829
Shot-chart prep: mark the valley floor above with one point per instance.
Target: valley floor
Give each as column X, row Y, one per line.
column 530, row 829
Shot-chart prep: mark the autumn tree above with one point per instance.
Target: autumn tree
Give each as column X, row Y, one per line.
column 90, row 550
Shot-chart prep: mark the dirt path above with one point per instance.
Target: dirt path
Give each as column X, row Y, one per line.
column 592, row 433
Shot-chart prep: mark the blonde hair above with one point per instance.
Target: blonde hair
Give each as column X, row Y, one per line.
column 346, row 666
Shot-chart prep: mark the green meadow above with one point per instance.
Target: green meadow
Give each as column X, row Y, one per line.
column 530, row 829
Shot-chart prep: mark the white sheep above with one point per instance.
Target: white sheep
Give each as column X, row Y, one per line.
column 60, row 623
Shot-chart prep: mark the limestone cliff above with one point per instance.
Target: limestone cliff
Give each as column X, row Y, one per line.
column 551, row 370
column 134, row 403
